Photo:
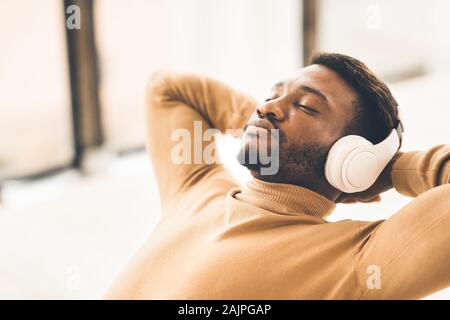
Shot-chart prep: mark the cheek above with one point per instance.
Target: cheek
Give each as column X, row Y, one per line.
column 302, row 130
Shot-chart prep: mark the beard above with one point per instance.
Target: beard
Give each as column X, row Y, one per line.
column 298, row 163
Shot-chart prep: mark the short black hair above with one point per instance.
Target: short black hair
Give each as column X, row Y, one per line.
column 376, row 110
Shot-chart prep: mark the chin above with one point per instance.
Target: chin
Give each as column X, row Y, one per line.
column 257, row 155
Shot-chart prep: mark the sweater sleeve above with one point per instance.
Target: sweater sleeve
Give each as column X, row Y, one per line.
column 408, row 255
column 415, row 172
column 180, row 108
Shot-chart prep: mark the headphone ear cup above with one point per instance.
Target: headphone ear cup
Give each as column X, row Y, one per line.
column 336, row 165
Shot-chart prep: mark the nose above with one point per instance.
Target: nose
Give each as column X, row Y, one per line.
column 271, row 107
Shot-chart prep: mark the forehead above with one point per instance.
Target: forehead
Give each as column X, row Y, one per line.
column 336, row 89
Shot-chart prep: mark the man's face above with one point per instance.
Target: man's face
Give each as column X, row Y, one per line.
column 311, row 112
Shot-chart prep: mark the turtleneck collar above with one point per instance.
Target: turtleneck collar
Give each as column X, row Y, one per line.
column 285, row 198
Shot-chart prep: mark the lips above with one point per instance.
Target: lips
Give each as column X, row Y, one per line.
column 261, row 123
column 259, row 127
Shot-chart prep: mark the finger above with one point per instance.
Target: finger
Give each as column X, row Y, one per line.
column 374, row 199
column 348, row 197
column 377, row 199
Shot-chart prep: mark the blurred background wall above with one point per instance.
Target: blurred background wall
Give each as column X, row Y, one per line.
column 77, row 194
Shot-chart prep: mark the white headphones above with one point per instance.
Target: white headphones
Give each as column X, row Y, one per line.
column 353, row 163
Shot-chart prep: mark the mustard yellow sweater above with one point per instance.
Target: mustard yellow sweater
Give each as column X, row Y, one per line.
column 217, row 240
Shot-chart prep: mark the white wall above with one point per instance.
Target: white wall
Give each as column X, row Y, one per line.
column 249, row 44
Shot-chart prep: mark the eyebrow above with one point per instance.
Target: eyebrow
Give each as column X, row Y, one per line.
column 308, row 89
column 315, row 92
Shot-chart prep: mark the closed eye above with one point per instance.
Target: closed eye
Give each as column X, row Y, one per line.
column 306, row 108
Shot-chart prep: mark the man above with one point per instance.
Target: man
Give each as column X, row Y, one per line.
column 270, row 239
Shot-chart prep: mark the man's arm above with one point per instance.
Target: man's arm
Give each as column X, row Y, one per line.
column 410, row 173
column 174, row 101
column 411, row 250
column 415, row 172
